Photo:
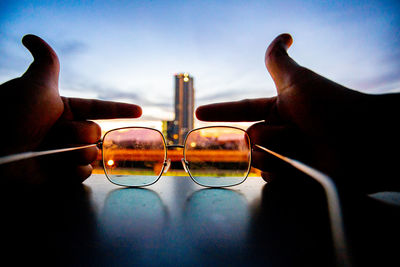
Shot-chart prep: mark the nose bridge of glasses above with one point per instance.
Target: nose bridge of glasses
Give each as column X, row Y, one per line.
column 185, row 165
column 174, row 155
column 167, row 164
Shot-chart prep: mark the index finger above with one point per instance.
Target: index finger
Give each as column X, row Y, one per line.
column 244, row 110
column 93, row 109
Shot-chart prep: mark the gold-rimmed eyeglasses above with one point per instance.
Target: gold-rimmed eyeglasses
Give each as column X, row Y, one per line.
column 216, row 156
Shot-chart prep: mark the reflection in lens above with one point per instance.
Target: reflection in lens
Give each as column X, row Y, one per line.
column 133, row 156
column 218, row 156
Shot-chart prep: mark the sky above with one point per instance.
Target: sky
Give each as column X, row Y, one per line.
column 129, row 50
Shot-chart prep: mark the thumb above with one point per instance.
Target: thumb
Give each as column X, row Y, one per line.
column 45, row 66
column 281, row 67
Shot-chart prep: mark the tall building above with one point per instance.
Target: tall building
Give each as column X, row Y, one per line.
column 184, row 109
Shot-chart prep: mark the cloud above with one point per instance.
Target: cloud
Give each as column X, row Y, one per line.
column 94, row 90
column 71, row 47
column 112, row 94
column 15, row 59
column 233, row 95
column 384, row 83
column 152, row 111
column 387, row 75
column 11, row 67
column 100, row 91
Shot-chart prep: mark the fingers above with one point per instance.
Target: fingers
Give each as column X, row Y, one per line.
column 283, row 70
column 68, row 168
column 67, row 175
column 276, row 138
column 244, row 110
column 80, row 109
column 73, row 132
column 83, row 172
column 78, row 174
column 80, row 156
column 283, row 139
column 45, row 67
column 281, row 67
column 268, row 176
column 267, row 163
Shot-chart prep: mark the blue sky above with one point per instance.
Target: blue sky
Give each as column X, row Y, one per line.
column 129, row 50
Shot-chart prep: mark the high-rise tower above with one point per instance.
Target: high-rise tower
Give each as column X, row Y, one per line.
column 184, row 107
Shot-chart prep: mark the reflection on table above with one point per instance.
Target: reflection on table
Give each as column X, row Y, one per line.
column 176, row 222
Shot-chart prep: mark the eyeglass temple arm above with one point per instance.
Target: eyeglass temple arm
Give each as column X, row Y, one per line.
column 334, row 209
column 33, row 154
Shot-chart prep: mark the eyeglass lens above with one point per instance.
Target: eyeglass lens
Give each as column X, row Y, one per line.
column 218, row 156
column 133, row 156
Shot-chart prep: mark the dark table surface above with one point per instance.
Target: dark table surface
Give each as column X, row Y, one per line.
column 176, row 222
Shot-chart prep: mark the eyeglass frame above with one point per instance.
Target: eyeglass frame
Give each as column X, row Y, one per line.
column 183, row 160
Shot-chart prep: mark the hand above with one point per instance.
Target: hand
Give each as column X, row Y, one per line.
column 35, row 117
column 349, row 135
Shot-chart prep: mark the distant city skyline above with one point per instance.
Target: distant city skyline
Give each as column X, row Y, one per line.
column 129, row 50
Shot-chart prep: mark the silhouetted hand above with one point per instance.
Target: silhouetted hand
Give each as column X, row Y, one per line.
column 351, row 136
column 35, row 117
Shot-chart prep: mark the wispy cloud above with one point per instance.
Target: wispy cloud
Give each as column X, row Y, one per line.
column 387, row 82
column 234, row 95
column 99, row 91
column 72, row 47
column 386, row 78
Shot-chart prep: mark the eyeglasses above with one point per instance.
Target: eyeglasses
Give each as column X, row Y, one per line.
column 217, row 156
